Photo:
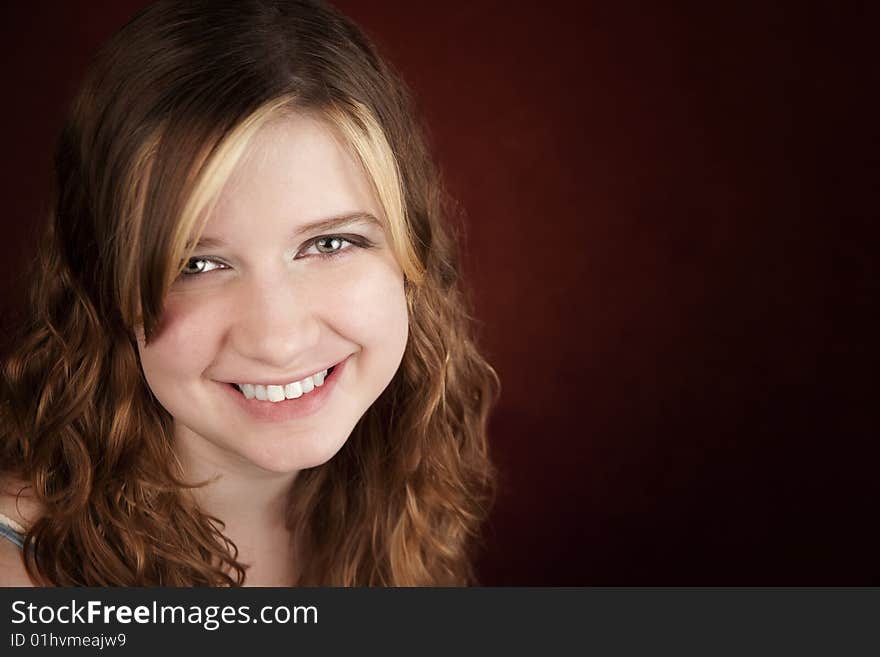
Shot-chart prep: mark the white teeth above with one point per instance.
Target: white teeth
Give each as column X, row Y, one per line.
column 280, row 393
column 293, row 390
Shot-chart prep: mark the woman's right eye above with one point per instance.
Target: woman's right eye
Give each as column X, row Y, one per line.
column 195, row 266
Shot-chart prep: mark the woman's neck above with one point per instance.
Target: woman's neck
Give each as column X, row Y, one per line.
column 251, row 503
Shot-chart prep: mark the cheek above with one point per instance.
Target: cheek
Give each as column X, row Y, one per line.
column 374, row 304
column 184, row 342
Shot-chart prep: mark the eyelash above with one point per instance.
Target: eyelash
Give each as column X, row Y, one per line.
column 352, row 240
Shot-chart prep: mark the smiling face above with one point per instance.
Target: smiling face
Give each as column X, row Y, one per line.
column 267, row 300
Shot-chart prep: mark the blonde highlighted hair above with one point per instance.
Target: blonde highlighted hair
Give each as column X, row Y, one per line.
column 164, row 115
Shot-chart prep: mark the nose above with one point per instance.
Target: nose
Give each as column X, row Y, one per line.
column 275, row 324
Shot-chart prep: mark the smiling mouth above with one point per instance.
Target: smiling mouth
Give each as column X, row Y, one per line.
column 290, row 393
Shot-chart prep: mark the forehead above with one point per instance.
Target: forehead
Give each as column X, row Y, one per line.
column 296, row 169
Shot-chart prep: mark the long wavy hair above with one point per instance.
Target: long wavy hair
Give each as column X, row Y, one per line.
column 166, row 110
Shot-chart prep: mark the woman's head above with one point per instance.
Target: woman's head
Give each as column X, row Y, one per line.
column 278, row 113
column 205, row 139
column 265, row 300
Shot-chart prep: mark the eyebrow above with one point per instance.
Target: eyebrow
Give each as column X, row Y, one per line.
column 321, row 225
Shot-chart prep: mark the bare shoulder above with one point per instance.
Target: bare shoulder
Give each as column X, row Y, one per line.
column 12, row 570
column 18, row 504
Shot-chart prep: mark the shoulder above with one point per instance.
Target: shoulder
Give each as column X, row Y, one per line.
column 17, row 503
column 12, row 570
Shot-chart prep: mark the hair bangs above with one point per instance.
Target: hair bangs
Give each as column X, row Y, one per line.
column 183, row 197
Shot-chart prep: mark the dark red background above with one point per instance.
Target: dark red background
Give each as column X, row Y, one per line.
column 671, row 243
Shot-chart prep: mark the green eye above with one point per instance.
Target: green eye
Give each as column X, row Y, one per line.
column 329, row 245
column 195, row 266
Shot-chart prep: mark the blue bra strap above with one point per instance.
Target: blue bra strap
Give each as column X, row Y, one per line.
column 10, row 534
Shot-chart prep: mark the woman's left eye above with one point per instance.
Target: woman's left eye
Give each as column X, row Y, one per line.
column 329, row 246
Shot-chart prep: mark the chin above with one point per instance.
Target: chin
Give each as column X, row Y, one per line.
column 290, row 461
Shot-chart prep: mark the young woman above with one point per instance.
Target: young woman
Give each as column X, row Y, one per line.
column 249, row 359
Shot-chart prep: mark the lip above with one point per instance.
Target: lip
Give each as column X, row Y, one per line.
column 289, row 409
